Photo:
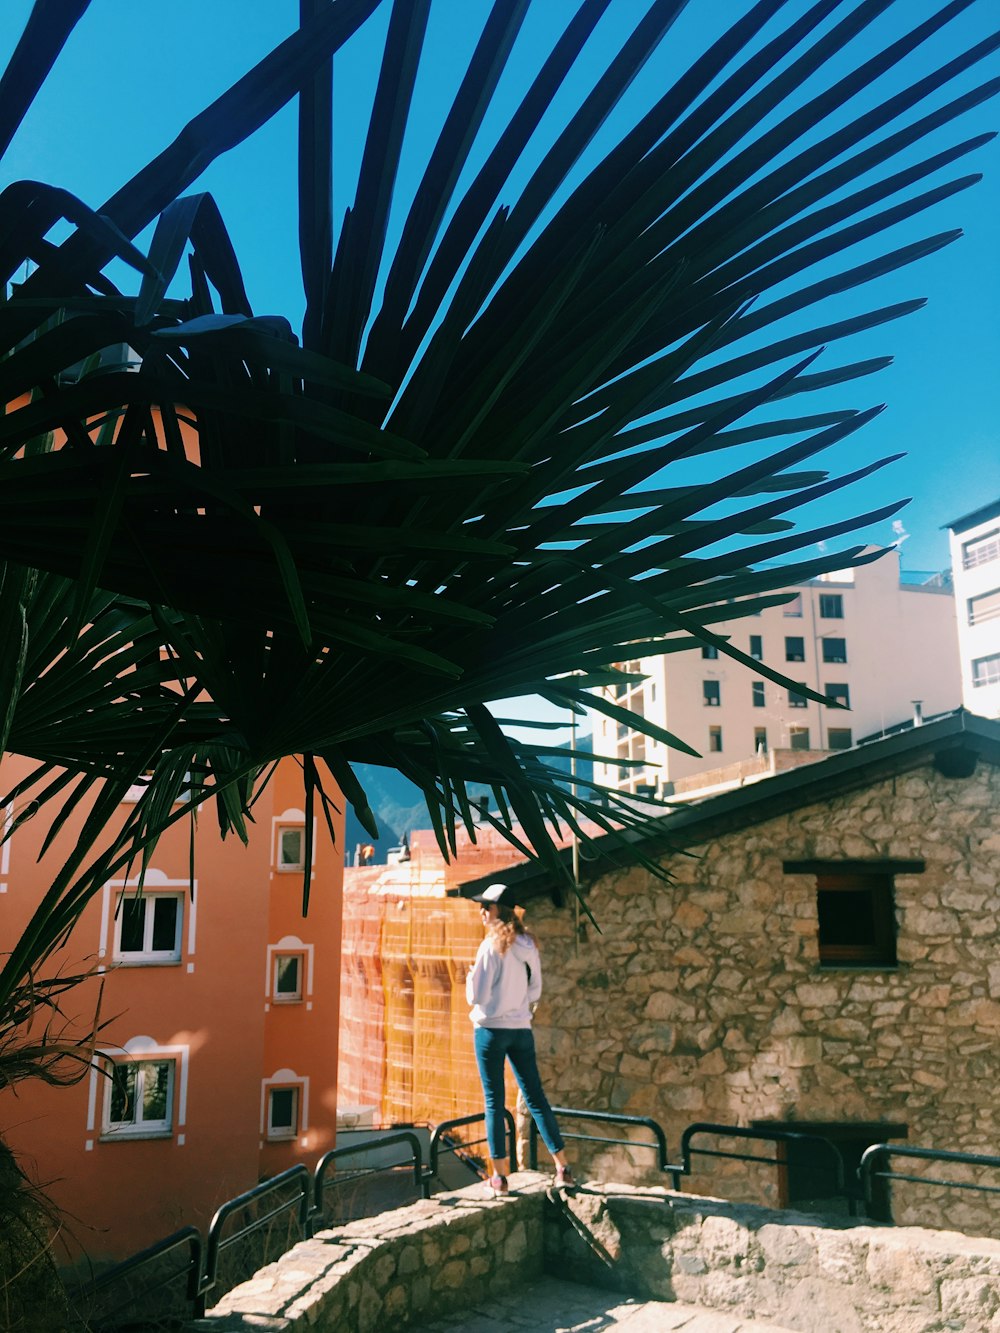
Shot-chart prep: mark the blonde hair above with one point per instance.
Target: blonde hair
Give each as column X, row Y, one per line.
column 505, row 929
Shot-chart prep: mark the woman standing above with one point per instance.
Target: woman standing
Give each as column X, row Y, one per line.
column 503, row 985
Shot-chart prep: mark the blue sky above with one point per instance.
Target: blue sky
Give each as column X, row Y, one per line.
column 132, row 75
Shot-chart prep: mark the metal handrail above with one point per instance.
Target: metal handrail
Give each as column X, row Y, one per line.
column 309, row 1199
column 871, row 1155
column 610, row 1117
column 741, row 1132
column 215, row 1244
column 439, row 1131
column 186, row 1236
column 317, row 1211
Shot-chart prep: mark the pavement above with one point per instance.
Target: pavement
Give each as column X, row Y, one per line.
column 551, row 1305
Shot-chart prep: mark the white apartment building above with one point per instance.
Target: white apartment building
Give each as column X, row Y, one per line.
column 975, row 563
column 879, row 645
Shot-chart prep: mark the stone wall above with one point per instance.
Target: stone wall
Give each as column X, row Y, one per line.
column 447, row 1255
column 433, row 1258
column 704, row 999
column 782, row 1267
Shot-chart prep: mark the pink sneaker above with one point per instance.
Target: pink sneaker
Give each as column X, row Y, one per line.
column 496, row 1187
column 564, row 1178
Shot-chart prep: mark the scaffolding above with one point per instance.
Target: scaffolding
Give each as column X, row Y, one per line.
column 405, row 1037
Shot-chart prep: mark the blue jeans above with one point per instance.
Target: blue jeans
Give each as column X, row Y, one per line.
column 493, row 1046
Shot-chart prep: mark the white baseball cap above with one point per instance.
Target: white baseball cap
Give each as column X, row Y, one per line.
column 495, row 893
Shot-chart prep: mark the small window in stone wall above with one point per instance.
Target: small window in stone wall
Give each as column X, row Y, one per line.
column 808, row 1167
column 857, row 920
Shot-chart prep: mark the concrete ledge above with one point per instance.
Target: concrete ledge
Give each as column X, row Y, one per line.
column 430, row 1259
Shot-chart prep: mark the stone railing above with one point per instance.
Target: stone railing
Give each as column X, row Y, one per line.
column 435, row 1257
column 446, row 1254
column 780, row 1266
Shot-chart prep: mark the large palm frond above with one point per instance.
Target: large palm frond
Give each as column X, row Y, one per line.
column 453, row 487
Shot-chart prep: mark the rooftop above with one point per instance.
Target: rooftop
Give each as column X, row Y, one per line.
column 980, row 515
column 953, row 743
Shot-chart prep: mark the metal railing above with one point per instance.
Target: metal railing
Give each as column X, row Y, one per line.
column 763, row 1135
column 320, row 1184
column 880, row 1151
column 90, row 1293
column 308, row 1196
column 216, row 1243
column 658, row 1141
column 442, row 1134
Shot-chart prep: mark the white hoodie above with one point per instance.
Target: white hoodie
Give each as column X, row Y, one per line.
column 502, row 987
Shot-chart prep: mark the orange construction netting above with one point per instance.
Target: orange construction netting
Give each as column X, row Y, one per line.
column 405, row 1037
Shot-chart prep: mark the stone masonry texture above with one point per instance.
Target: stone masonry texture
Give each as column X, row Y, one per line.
column 449, row 1255
column 704, row 1000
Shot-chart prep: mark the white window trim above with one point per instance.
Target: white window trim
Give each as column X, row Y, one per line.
column 290, row 867
column 985, row 606
column 155, row 881
column 986, row 670
column 148, row 956
column 135, row 793
column 141, row 1129
column 141, row 1049
column 288, row 996
column 286, row 945
column 284, row 1078
column 8, row 819
column 280, row 1133
column 981, row 550
column 290, row 819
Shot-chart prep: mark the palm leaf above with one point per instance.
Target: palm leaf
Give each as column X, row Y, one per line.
column 349, row 544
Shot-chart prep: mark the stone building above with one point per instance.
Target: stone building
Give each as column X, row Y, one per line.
column 823, row 957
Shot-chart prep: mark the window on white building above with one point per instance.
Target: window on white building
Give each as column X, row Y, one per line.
column 840, row 694
column 795, row 648
column 794, row 607
column 709, row 652
column 757, row 689
column 798, row 738
column 282, row 1113
column 839, row 738
column 711, row 693
column 834, row 650
column 797, row 700
column 986, row 670
column 757, row 647
column 139, row 1098
column 715, row 740
column 760, row 740
column 148, row 928
column 831, row 606
column 984, row 607
column 291, row 847
column 981, row 550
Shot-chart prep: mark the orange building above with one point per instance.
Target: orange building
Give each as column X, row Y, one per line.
column 222, row 1041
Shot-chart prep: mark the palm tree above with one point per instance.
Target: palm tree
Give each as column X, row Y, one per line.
column 344, row 544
